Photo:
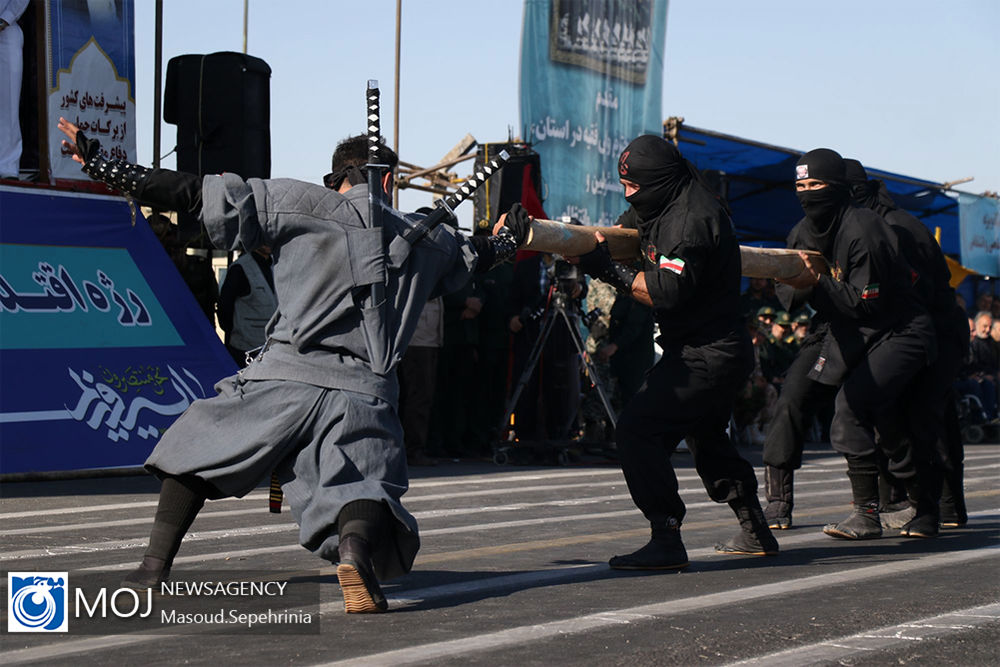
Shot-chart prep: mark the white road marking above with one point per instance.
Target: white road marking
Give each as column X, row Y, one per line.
column 881, row 639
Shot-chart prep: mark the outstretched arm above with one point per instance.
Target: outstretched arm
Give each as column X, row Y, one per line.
column 161, row 188
column 508, row 234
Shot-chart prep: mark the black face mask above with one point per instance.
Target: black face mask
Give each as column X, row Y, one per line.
column 657, row 167
column 823, row 206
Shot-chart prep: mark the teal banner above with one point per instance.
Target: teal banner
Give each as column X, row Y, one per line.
column 977, row 219
column 591, row 81
column 64, row 297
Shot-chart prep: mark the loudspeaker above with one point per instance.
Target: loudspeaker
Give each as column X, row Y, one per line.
column 507, row 185
column 220, row 103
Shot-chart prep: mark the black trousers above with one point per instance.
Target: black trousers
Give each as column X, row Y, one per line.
column 417, row 379
column 799, row 401
column 688, row 394
column 924, row 414
column 868, row 399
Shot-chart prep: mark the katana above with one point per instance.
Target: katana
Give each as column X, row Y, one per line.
column 446, row 206
column 375, row 172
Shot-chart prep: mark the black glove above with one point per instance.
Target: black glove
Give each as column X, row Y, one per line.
column 88, row 148
column 598, row 261
column 518, row 223
column 598, row 264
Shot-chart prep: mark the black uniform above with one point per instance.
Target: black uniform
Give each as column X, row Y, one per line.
column 692, row 274
column 880, row 336
column 923, row 410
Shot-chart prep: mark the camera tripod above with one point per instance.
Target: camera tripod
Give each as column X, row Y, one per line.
column 558, row 310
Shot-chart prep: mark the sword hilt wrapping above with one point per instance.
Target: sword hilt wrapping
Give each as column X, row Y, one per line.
column 475, row 181
column 374, row 125
column 449, row 202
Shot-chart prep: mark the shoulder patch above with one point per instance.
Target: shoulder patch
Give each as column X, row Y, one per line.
column 675, row 264
column 870, row 292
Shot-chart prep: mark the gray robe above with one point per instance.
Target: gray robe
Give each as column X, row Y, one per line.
column 318, row 404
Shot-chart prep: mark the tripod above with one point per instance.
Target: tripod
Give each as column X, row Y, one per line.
column 558, row 310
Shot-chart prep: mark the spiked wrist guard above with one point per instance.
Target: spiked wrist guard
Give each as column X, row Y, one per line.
column 598, row 264
column 493, row 250
column 620, row 277
column 121, row 175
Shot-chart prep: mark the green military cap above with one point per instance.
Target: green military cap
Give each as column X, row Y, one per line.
column 782, row 318
column 765, row 311
column 802, row 318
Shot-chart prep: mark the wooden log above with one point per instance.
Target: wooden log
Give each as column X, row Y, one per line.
column 574, row 240
column 776, row 262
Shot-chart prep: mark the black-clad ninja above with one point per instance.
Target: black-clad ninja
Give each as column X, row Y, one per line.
column 691, row 278
column 924, row 410
column 880, row 336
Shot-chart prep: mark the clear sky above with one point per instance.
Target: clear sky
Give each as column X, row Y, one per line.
column 909, row 86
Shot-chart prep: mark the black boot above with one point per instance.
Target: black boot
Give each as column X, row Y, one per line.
column 362, row 524
column 778, row 486
column 754, row 538
column 926, row 521
column 362, row 593
column 953, row 511
column 664, row 551
column 181, row 498
column 863, row 523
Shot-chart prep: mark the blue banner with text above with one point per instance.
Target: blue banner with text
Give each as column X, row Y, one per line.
column 102, row 345
column 591, row 81
column 977, row 220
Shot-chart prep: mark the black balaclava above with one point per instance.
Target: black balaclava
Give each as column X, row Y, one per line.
column 824, row 207
column 658, row 168
column 865, row 192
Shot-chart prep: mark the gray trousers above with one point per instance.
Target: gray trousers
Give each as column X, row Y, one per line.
column 328, row 446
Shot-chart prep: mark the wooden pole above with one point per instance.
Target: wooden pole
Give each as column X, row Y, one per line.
column 395, row 100
column 157, row 78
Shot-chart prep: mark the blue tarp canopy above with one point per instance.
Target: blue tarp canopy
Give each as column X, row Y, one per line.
column 757, row 180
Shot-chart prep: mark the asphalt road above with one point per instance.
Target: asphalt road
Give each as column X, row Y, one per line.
column 513, row 571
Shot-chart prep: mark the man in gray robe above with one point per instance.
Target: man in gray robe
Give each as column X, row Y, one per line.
column 318, row 404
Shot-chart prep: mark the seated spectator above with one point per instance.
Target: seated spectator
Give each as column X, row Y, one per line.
column 979, row 377
column 754, row 405
column 765, row 316
column 783, row 348
column 800, row 326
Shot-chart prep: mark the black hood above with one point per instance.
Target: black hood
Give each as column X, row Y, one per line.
column 661, row 173
column 824, row 208
column 866, row 192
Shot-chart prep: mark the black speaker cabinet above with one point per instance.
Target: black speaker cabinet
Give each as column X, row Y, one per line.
column 504, row 187
column 220, row 103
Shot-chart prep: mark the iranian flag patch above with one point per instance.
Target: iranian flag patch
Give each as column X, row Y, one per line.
column 676, row 264
column 870, row 291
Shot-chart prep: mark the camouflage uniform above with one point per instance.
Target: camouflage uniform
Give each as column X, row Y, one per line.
column 600, row 296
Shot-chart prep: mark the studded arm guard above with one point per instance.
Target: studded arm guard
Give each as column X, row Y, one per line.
column 598, row 264
column 161, row 188
column 493, row 250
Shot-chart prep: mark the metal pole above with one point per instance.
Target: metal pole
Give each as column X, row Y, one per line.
column 246, row 13
column 157, row 78
column 395, row 102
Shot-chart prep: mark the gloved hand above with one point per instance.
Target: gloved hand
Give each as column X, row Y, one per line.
column 598, row 263
column 87, row 148
column 518, row 222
